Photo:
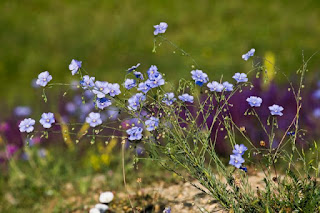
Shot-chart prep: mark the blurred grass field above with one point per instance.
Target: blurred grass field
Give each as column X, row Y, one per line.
column 110, row 36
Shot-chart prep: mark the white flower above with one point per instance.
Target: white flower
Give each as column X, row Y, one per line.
column 102, row 207
column 94, row 210
column 106, row 197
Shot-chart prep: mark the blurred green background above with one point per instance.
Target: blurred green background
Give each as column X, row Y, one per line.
column 109, row 36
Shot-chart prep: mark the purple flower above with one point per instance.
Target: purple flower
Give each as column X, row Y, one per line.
column 47, row 119
column 22, row 111
column 102, row 103
column 135, row 101
column 239, row 149
column 43, row 79
column 130, row 83
column 254, row 101
column 215, row 86
column 135, row 133
column 248, row 54
column 186, row 98
column 27, row 125
column 160, row 28
column 152, row 123
column 101, row 89
column 94, row 119
column 87, row 82
column 236, row 160
column 158, row 81
column 114, row 89
column 169, row 98
column 316, row 94
column 199, row 77
column 133, row 68
column 240, row 77
column 153, row 72
column 227, row 86
column 138, row 75
column 144, row 87
column 75, row 66
column 276, row 110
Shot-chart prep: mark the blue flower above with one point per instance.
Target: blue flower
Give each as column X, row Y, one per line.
column 240, row 77
column 152, row 123
column 316, row 94
column 244, row 169
column 75, row 66
column 199, row 77
column 316, row 112
column 160, row 28
column 167, row 210
column 135, row 101
column 130, row 83
column 254, row 101
column 114, row 89
column 276, row 110
column 169, row 98
column 138, row 75
column 291, row 133
column 22, row 111
column 239, row 149
column 133, row 68
column 248, row 54
column 227, row 86
column 101, row 89
column 144, row 87
column 47, row 119
column 158, row 81
column 27, row 125
column 135, row 133
column 215, row 86
column 87, row 82
column 186, row 98
column 102, row 103
column 94, row 119
column 153, row 72
column 236, row 160
column 43, row 78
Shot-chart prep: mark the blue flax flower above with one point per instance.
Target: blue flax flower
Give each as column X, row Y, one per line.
column 101, row 88
column 43, row 79
column 153, row 72
column 227, row 86
column 236, row 160
column 102, row 103
column 169, row 98
column 215, row 86
column 276, row 110
column 135, row 101
column 75, row 66
column 133, row 68
column 152, row 123
column 144, row 87
column 158, row 81
column 254, row 101
column 135, row 133
column 160, row 28
column 47, row 119
column 94, row 119
column 248, row 54
column 87, row 82
column 130, row 83
column 138, row 75
column 239, row 149
column 186, row 98
column 27, row 125
column 240, row 77
column 199, row 77
column 114, row 89
column 316, row 112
